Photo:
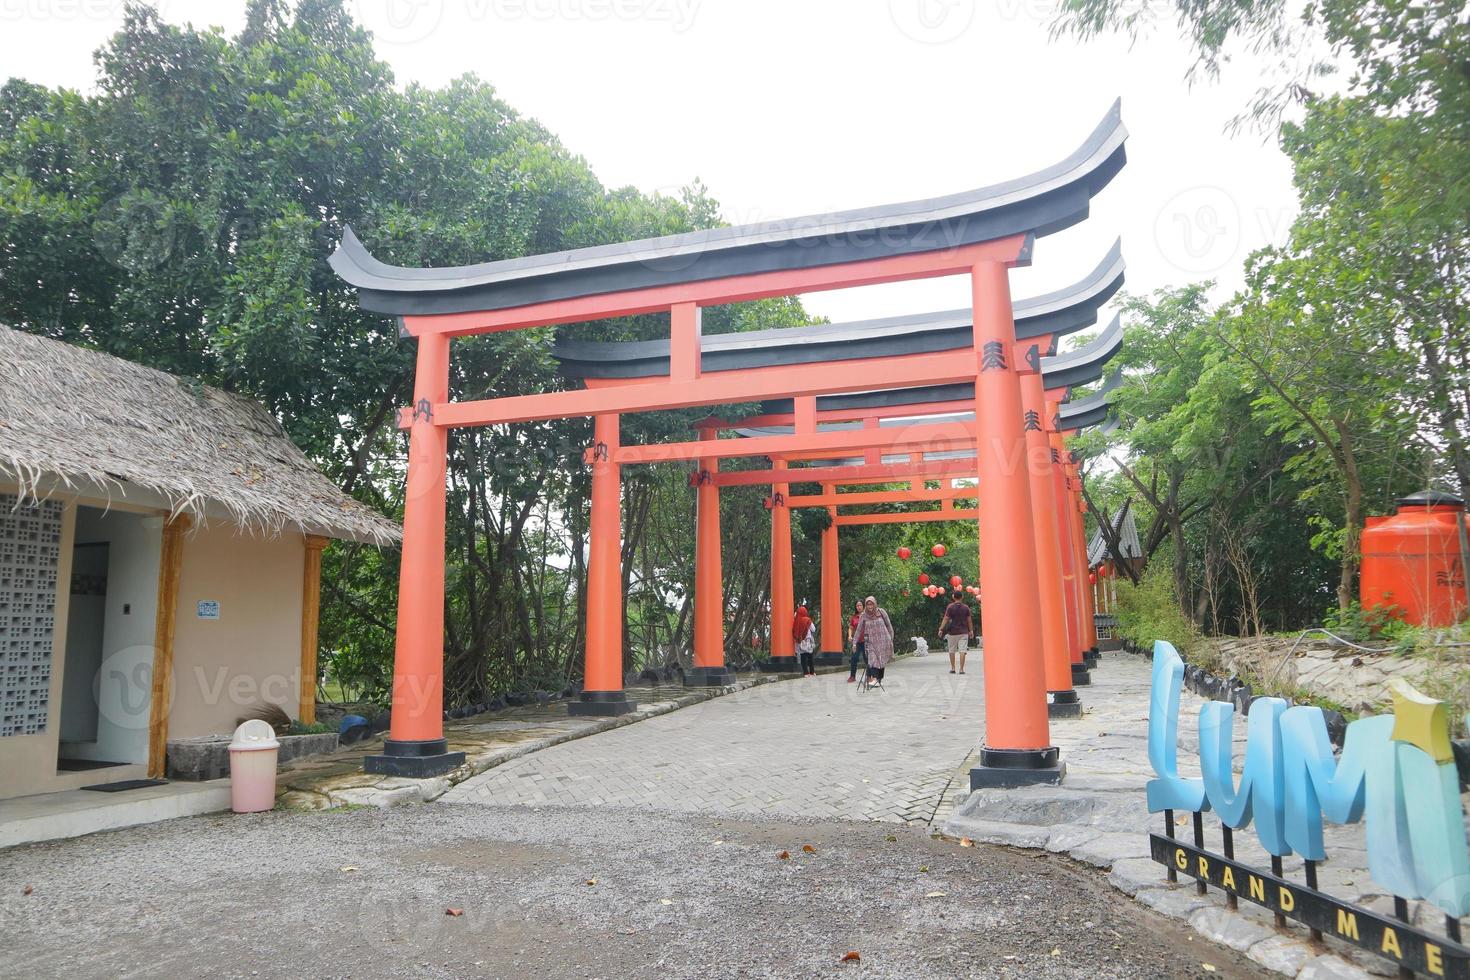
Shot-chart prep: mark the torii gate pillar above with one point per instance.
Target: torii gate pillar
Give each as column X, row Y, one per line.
column 709, row 668
column 1017, row 749
column 830, row 653
column 602, row 680
column 783, row 603
column 415, row 745
column 1044, row 511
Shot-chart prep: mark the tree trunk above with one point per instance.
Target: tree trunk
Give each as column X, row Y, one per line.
column 1353, row 518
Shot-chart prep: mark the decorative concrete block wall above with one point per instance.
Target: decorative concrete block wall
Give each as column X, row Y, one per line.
column 30, row 543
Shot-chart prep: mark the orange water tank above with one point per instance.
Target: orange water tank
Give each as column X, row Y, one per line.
column 1413, row 560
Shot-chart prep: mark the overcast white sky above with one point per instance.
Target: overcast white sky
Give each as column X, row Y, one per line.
column 790, row 108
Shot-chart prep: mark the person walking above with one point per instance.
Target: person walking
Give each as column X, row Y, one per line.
column 958, row 629
column 804, row 632
column 875, row 632
column 857, row 646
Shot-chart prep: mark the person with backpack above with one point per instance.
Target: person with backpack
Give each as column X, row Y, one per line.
column 875, row 632
column 958, row 629
column 804, row 632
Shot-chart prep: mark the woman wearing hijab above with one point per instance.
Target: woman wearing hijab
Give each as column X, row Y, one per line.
column 875, row 632
column 804, row 632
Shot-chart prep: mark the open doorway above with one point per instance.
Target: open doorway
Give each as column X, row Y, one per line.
column 106, row 689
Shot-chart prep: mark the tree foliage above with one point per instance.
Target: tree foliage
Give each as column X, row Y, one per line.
column 181, row 214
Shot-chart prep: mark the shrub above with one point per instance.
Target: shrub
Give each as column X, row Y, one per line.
column 1149, row 611
column 1374, row 623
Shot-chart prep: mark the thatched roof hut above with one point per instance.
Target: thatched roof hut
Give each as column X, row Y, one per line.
column 82, row 420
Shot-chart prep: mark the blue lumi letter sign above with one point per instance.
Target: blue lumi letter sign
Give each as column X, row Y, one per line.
column 1396, row 773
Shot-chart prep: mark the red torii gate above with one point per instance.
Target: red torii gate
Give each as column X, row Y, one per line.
column 981, row 234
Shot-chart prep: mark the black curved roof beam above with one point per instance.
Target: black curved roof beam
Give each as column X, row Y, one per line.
column 1079, row 367
column 1089, row 411
column 1041, row 203
column 1062, row 311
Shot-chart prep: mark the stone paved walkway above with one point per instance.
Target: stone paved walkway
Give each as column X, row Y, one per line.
column 810, row 748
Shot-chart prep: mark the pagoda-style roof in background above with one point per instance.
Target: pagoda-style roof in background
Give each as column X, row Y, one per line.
column 1126, row 530
column 1041, row 203
column 1056, row 313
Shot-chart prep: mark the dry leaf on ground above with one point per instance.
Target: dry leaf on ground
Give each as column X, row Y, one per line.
column 454, row 912
column 784, row 855
column 852, row 956
column 807, row 848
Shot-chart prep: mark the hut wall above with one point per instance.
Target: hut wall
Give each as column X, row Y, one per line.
column 252, row 652
column 28, row 761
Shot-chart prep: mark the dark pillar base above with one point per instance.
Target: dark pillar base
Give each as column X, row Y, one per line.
column 1090, row 663
column 781, row 665
column 416, row 760
column 1064, row 704
column 709, row 677
column 602, row 704
column 1080, row 676
column 829, row 659
column 1008, row 768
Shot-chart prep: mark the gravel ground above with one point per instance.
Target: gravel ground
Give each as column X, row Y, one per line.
column 566, row 892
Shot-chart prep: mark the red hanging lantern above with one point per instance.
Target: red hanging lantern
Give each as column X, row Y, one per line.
column 956, row 581
column 1092, row 579
column 938, row 550
column 904, row 553
column 923, row 578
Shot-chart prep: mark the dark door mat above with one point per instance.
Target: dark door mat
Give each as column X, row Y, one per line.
column 83, row 765
column 126, row 784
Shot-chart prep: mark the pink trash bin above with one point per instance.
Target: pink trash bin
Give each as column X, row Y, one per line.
column 253, row 767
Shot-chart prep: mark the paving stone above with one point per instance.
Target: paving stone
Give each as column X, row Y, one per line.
column 1332, row 968
column 1227, row 928
column 997, row 832
column 1131, row 874
column 1063, row 838
column 1282, row 954
column 805, row 747
column 1175, row 901
column 1105, row 849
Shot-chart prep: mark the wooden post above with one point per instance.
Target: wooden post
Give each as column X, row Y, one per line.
column 169, row 561
column 311, row 591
